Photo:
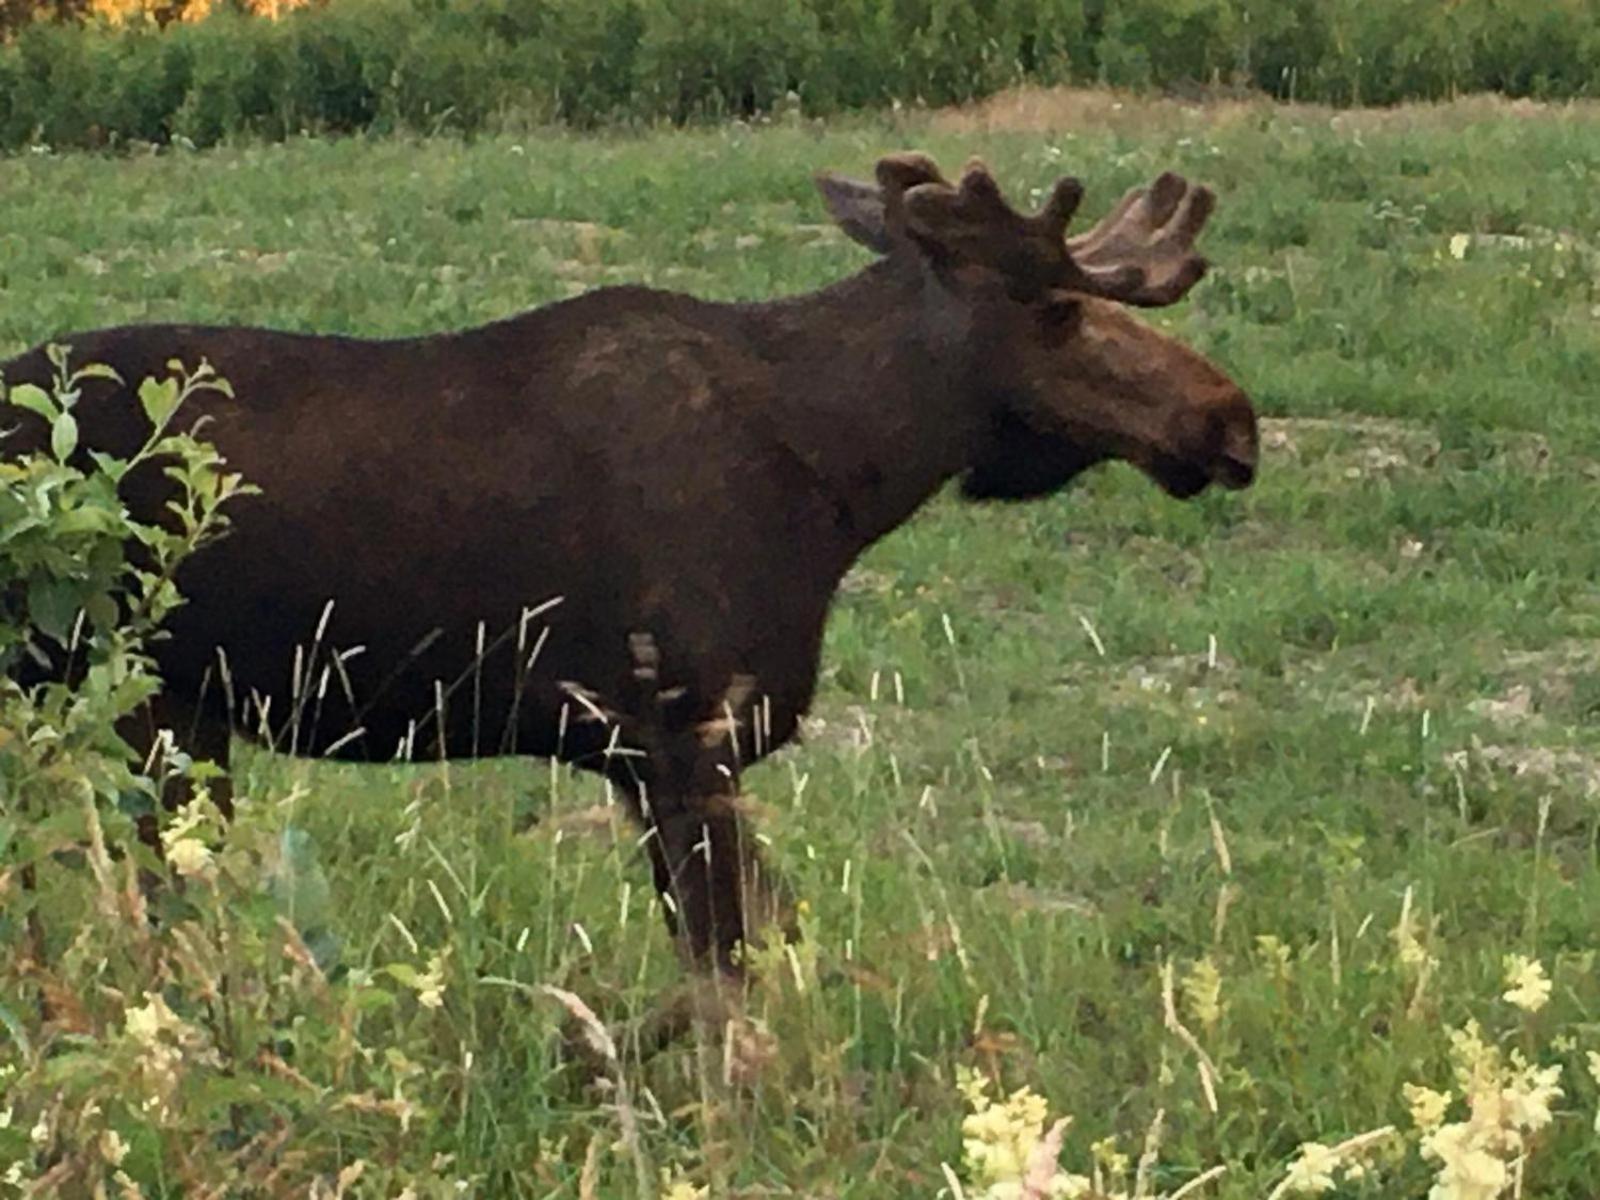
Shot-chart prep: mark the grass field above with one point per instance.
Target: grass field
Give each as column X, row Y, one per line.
column 1057, row 746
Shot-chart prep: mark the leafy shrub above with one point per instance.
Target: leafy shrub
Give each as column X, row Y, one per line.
column 425, row 64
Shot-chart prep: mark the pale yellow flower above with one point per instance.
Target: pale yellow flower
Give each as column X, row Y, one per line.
column 1109, row 1157
column 1312, row 1173
column 680, row 1189
column 973, row 1086
column 1529, row 986
column 1459, row 243
column 1467, row 1172
column 1202, row 986
column 190, row 857
column 1428, row 1107
column 145, row 1024
column 1413, row 954
column 112, row 1148
column 1528, row 1096
column 1505, row 1101
column 1475, row 1060
column 1274, row 953
column 430, row 984
column 1007, row 1154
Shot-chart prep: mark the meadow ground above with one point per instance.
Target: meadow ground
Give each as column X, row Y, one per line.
column 1057, row 746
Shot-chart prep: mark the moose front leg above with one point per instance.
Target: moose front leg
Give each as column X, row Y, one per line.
column 707, row 871
column 717, row 893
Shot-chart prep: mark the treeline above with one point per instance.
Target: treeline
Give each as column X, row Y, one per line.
column 436, row 64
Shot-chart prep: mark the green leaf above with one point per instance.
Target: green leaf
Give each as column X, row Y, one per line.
column 35, row 399
column 403, row 973
column 64, row 436
column 97, row 371
column 160, row 399
column 102, row 610
column 53, row 607
column 112, row 468
column 18, row 1031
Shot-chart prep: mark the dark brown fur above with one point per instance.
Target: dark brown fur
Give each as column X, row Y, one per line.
column 702, row 474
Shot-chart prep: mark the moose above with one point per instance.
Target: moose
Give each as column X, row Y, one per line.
column 609, row 529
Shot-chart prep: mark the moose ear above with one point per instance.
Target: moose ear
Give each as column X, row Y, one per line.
column 857, row 208
column 872, row 213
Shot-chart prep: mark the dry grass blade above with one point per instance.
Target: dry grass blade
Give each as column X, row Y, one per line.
column 1147, row 1159
column 955, row 1184
column 1339, row 1154
column 1198, row 1182
column 588, row 1181
column 1203, row 1063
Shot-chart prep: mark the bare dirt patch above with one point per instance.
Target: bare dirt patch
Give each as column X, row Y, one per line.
column 1550, row 766
column 1357, row 446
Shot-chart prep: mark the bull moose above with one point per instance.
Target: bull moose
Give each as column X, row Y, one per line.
column 609, row 529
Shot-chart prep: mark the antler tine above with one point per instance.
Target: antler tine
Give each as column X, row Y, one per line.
column 1052, row 220
column 1143, row 251
column 898, row 172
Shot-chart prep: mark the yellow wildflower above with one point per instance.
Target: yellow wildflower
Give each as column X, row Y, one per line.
column 1413, row 954
column 679, row 1188
column 430, row 984
column 112, row 1148
column 1529, row 986
column 1468, row 1171
column 145, row 1024
column 1528, row 1095
column 1428, row 1107
column 1274, row 953
column 1005, row 1149
column 1312, row 1173
column 1109, row 1157
column 189, row 857
column 1202, row 986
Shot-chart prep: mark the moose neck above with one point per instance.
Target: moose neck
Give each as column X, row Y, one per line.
column 878, row 395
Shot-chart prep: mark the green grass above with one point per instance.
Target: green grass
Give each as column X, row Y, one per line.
column 1024, row 839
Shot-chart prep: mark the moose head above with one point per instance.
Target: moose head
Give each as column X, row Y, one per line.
column 1073, row 377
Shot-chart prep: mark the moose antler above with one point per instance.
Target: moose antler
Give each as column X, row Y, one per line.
column 1143, row 252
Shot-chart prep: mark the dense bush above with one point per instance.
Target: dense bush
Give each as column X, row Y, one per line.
column 427, row 64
